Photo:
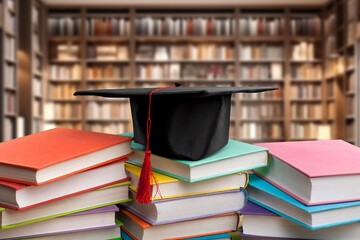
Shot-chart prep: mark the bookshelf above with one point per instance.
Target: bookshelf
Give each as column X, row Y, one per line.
column 31, row 61
column 107, row 34
column 297, row 49
column 351, row 95
column 11, row 122
column 262, row 62
column 64, row 68
column 306, row 78
column 341, row 69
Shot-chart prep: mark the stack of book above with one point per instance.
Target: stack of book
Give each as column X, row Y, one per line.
column 62, row 183
column 191, row 198
column 308, row 191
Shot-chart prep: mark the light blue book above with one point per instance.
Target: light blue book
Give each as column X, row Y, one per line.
column 235, row 157
column 313, row 217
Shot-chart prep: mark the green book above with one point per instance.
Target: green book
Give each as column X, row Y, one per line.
column 114, row 194
column 235, row 157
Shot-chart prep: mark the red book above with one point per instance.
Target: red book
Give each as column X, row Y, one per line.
column 45, row 156
column 19, row 196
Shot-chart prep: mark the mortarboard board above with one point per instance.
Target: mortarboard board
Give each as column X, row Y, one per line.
column 186, row 122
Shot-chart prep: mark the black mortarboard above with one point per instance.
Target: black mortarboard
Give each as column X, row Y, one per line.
column 186, row 122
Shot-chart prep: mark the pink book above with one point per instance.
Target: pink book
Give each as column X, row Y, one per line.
column 314, row 172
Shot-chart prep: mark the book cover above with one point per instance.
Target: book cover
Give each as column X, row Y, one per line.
column 167, row 187
column 113, row 194
column 317, row 169
column 127, row 236
column 314, row 217
column 139, row 229
column 165, row 211
column 45, row 151
column 275, row 226
column 235, row 157
column 17, row 196
column 108, row 233
column 87, row 220
column 319, row 158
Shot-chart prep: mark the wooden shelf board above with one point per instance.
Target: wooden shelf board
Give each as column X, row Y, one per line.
column 186, row 61
column 185, row 39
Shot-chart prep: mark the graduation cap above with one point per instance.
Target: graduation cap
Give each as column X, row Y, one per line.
column 187, row 123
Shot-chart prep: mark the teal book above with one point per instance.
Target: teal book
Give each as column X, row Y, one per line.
column 224, row 236
column 235, row 157
column 312, row 217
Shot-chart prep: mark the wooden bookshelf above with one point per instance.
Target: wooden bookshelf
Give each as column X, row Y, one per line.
column 31, row 62
column 308, row 53
column 11, row 122
column 341, row 66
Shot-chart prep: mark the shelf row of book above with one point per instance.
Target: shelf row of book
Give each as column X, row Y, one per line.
column 184, row 26
column 273, row 71
column 303, row 51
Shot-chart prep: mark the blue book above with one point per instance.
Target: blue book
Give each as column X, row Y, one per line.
column 313, row 217
column 275, row 226
column 235, row 157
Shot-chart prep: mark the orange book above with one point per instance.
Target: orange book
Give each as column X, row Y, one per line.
column 140, row 229
column 20, row 197
column 49, row 155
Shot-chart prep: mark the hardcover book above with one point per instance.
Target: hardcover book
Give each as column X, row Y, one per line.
column 57, row 153
column 109, row 195
column 275, row 226
column 314, row 217
column 312, row 171
column 168, row 187
column 19, row 196
column 139, row 229
column 166, row 211
column 87, row 220
column 235, row 157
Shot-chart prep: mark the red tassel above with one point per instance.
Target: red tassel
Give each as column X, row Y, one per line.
column 144, row 189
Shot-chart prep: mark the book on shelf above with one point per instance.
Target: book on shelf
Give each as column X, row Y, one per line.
column 312, row 217
column 81, row 221
column 161, row 53
column 303, row 51
column 318, row 169
column 107, row 52
column 65, row 72
column 184, row 26
column 167, row 187
column 67, row 52
column 235, row 157
column 112, row 233
column 57, row 153
column 275, row 226
column 108, row 26
column 305, row 26
column 113, row 194
column 64, row 26
column 261, row 52
column 139, row 229
column 261, row 26
column 165, row 211
column 20, row 196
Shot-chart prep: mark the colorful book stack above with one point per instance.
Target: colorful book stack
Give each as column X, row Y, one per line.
column 62, row 184
column 191, row 198
column 308, row 191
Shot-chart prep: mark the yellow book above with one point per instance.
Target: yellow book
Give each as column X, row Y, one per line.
column 169, row 187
